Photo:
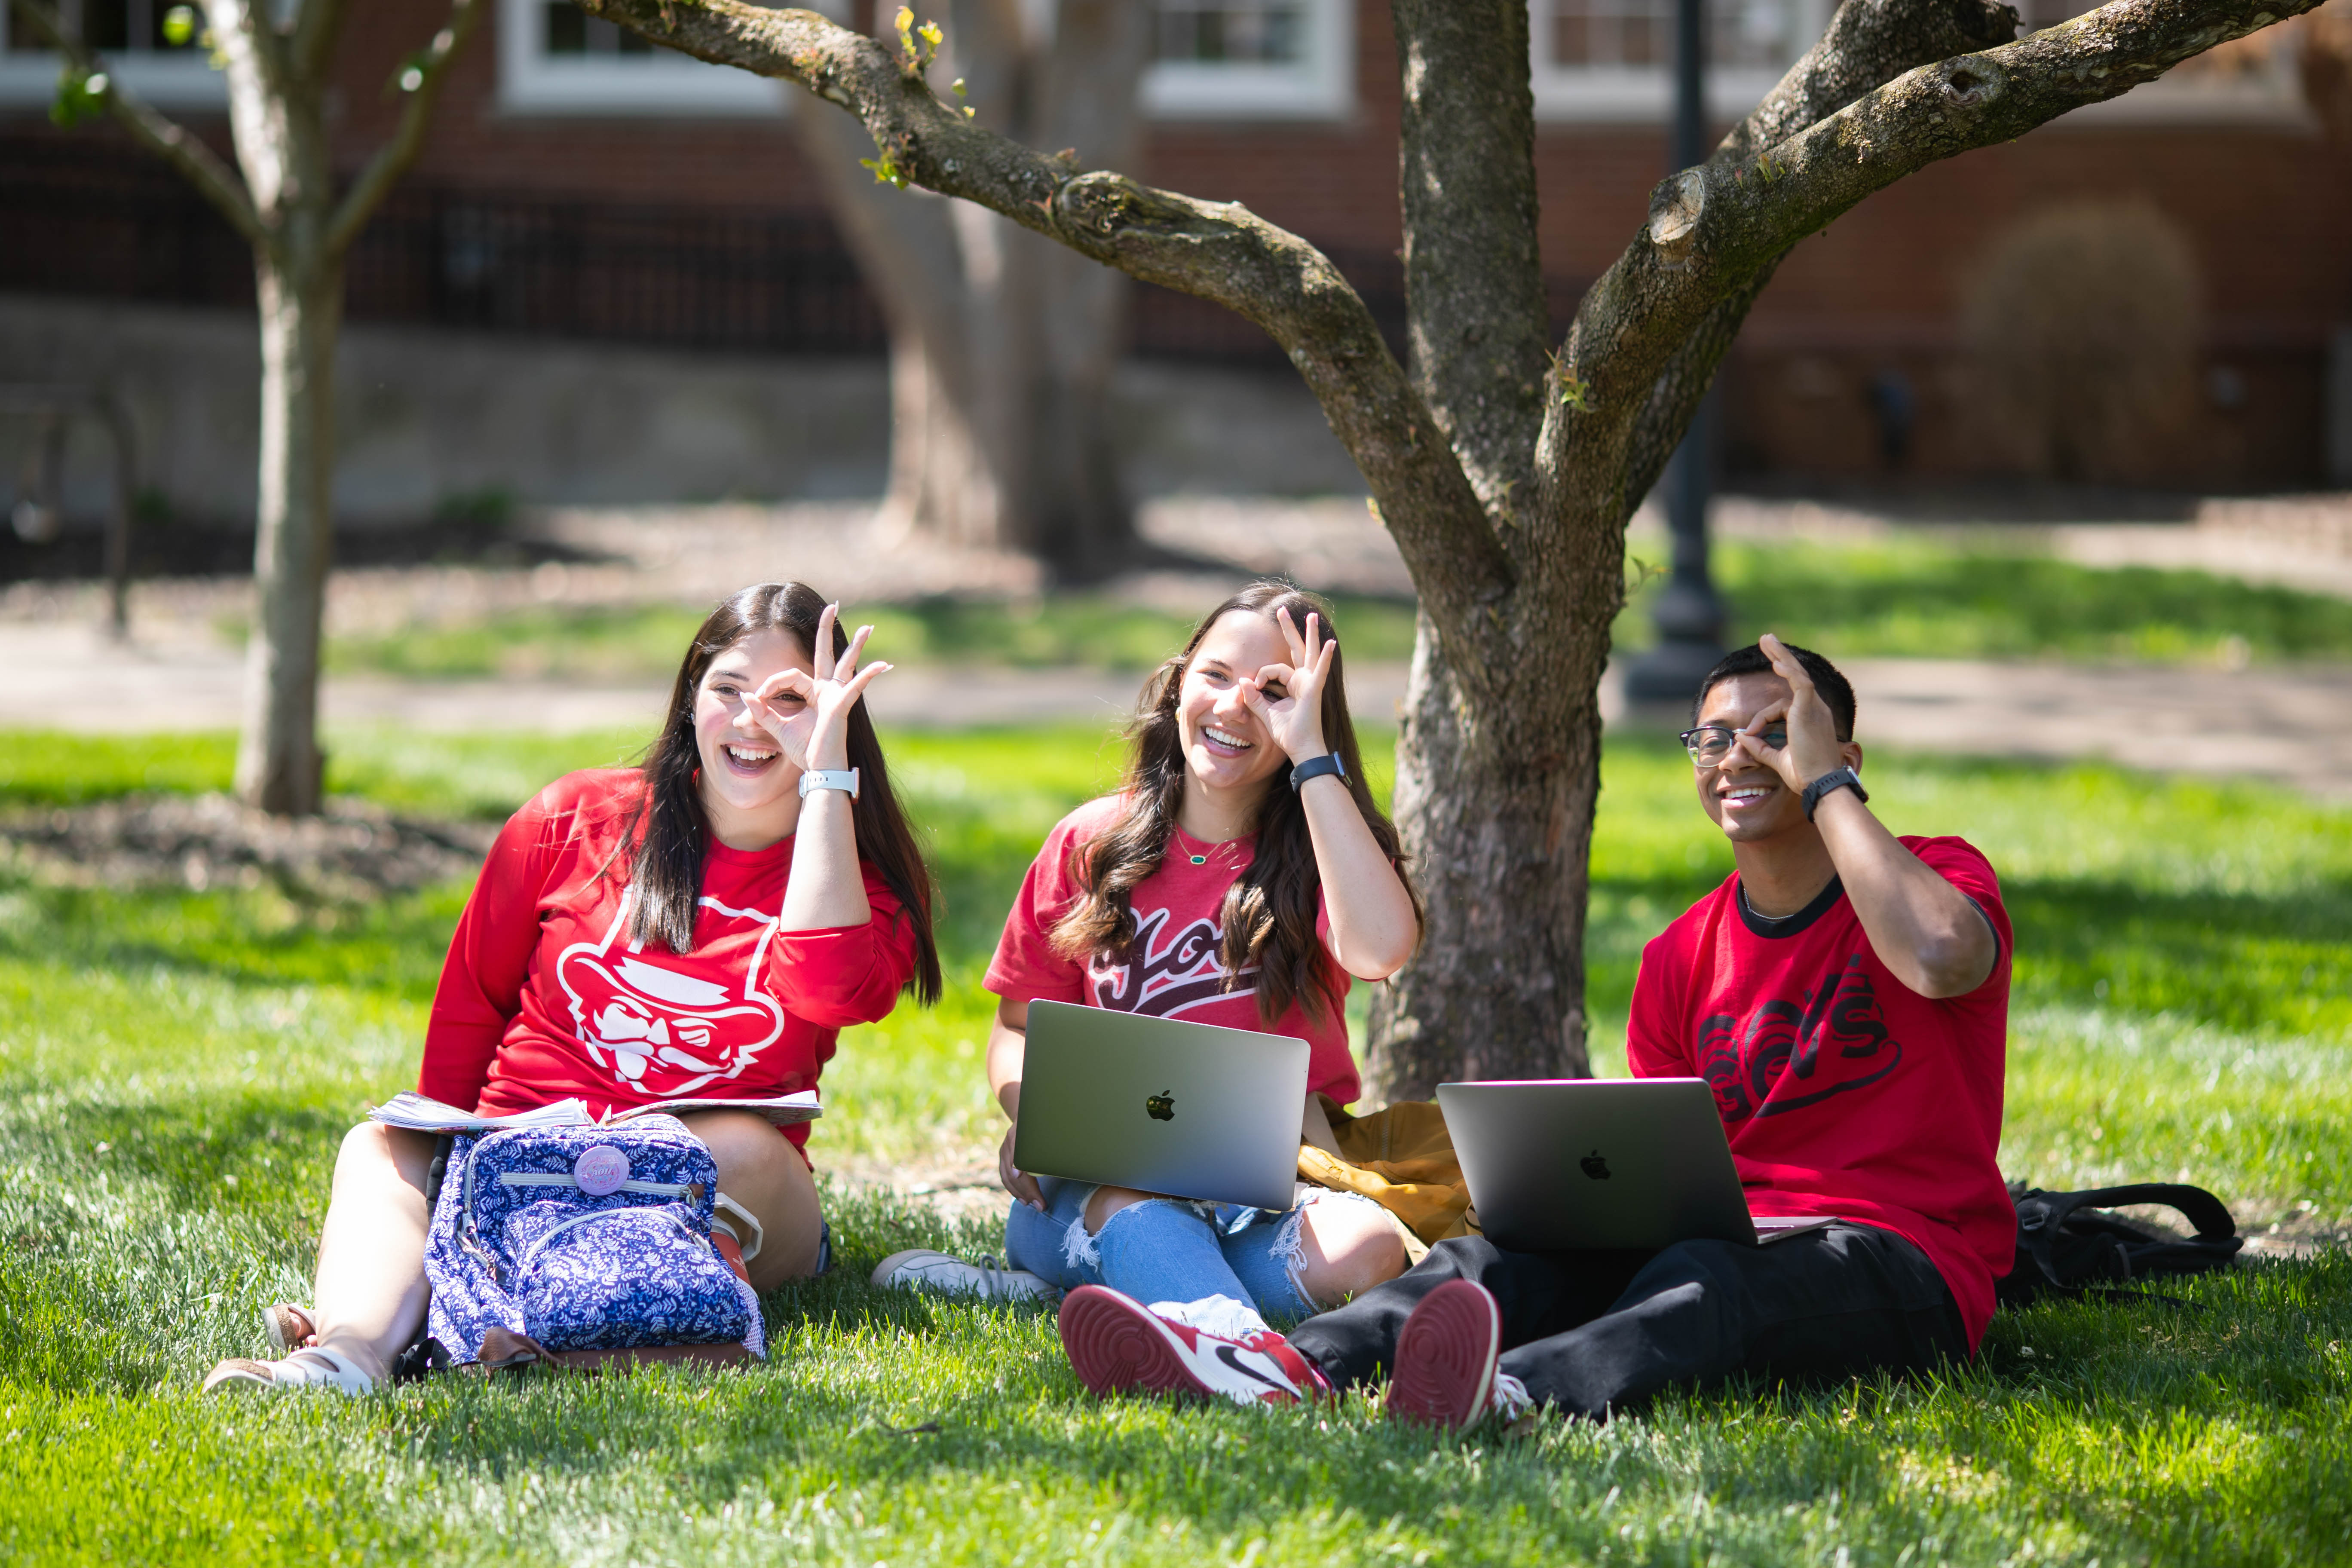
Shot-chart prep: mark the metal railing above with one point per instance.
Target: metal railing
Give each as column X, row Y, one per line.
column 105, row 223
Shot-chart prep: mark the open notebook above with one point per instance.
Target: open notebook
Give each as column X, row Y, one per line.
column 421, row 1113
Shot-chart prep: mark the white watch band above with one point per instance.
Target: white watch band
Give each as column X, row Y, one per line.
column 843, row 779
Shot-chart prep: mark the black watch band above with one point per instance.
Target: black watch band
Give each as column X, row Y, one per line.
column 1829, row 784
column 1316, row 767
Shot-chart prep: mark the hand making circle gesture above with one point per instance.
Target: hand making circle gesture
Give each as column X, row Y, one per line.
column 1294, row 717
column 1813, row 748
column 808, row 713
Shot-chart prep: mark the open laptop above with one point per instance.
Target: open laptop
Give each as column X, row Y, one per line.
column 1163, row 1106
column 1581, row 1164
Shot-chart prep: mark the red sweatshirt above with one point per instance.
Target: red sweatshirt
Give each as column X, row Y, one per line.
column 544, row 996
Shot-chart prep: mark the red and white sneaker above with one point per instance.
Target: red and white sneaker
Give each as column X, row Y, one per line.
column 1115, row 1342
column 1445, row 1361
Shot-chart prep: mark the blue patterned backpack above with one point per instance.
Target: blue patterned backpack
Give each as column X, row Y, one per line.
column 594, row 1239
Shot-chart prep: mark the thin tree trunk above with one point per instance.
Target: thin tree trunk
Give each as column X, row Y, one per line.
column 1003, row 346
column 278, row 764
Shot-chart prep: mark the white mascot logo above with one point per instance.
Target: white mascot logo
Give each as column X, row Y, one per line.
column 667, row 1031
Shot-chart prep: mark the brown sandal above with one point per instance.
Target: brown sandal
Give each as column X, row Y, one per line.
column 290, row 1326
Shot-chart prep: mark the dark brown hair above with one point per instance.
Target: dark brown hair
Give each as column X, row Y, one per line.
column 669, row 832
column 1268, row 915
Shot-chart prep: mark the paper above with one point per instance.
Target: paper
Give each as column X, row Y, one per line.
column 422, row 1113
column 784, row 1110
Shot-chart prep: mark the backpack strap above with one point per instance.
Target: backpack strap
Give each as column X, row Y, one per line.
column 2208, row 1214
column 2040, row 1215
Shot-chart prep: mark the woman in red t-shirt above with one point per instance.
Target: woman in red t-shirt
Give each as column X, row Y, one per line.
column 1218, row 886
column 703, row 925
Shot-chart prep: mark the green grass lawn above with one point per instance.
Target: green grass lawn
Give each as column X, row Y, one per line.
column 176, row 1068
column 1900, row 596
column 640, row 641
column 1934, row 598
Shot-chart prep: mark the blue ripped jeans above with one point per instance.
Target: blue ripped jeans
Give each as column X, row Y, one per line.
column 1167, row 1249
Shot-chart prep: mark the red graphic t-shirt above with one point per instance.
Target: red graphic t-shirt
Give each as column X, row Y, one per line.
column 1173, row 971
column 544, row 996
column 1843, row 1090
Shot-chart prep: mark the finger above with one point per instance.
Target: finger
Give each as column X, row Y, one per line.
column 1778, row 708
column 1314, row 635
column 1784, row 663
column 841, row 671
column 854, row 687
column 1255, row 698
column 820, row 655
column 1281, row 675
column 798, row 681
column 1290, row 634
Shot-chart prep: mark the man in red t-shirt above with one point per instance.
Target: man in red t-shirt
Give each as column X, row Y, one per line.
column 1846, row 993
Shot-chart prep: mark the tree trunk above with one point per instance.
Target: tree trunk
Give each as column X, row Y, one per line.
column 1496, row 809
column 279, row 763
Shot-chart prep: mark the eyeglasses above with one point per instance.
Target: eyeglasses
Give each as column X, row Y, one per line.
column 1710, row 743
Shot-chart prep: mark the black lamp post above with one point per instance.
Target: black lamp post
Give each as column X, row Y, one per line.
column 1689, row 612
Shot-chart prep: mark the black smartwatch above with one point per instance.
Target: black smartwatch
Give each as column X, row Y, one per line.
column 1316, row 767
column 1829, row 784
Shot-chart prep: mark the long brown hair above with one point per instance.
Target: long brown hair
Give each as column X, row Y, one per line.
column 670, row 833
column 1267, row 918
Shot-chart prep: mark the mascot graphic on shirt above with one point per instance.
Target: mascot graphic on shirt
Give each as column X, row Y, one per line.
column 656, row 1027
column 1785, row 1057
column 1168, row 979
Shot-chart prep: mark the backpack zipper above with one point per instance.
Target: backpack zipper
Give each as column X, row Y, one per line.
column 536, row 1248
column 659, row 1189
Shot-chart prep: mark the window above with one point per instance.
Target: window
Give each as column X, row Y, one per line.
column 554, row 59
column 129, row 35
column 1614, row 59
column 1252, row 59
column 2248, row 81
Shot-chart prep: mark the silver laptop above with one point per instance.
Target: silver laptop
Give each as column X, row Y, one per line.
column 1160, row 1105
column 1579, row 1165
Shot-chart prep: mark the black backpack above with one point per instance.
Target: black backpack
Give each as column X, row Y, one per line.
column 2067, row 1247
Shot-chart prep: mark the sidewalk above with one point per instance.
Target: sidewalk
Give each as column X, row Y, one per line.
column 2293, row 726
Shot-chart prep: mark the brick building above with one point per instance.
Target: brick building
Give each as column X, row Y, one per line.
column 578, row 186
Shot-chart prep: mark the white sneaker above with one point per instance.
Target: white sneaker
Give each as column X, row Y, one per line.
column 310, row 1368
column 920, row 1268
column 1116, row 1343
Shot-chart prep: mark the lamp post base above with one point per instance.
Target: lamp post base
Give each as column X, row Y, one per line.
column 1671, row 671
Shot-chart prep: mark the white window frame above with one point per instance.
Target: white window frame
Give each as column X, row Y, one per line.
column 1623, row 95
column 664, row 83
column 1320, row 87
column 174, row 81
column 1609, row 94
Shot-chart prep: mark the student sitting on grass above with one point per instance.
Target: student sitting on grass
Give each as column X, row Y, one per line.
column 1846, row 993
column 1239, row 878
column 703, row 925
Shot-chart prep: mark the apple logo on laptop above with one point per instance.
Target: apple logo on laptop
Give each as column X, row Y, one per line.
column 1595, row 1166
column 1160, row 1107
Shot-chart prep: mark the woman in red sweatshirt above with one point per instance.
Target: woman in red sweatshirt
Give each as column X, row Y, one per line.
column 705, row 924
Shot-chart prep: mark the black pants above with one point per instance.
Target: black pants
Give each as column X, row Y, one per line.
column 1596, row 1331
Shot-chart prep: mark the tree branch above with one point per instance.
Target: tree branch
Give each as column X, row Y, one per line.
column 1711, row 228
column 431, row 66
column 316, row 28
column 164, row 137
column 1478, row 322
column 1219, row 251
column 1867, row 43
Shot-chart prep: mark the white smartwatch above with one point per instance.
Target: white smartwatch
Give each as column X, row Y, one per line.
column 843, row 779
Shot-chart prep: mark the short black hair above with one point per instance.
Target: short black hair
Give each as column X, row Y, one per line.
column 1836, row 690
